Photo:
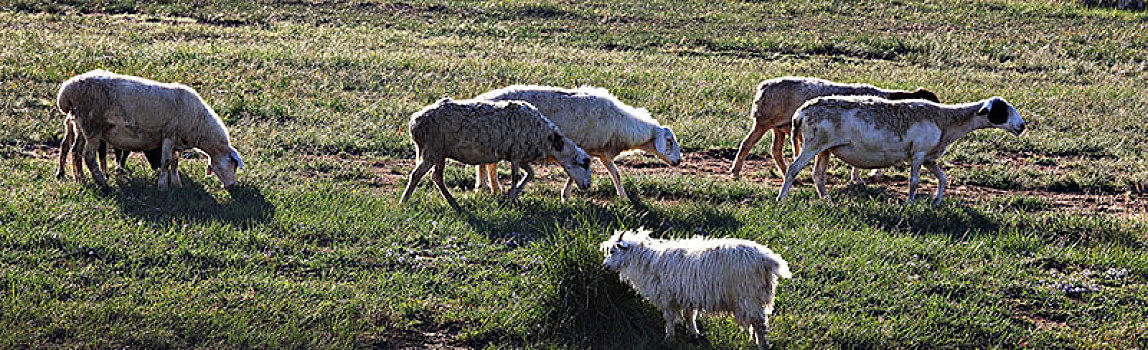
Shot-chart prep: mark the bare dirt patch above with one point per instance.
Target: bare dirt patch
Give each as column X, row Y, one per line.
column 714, row 164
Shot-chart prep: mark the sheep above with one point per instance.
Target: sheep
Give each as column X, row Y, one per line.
column 597, row 121
column 136, row 114
column 481, row 132
column 871, row 132
column 777, row 99
column 723, row 276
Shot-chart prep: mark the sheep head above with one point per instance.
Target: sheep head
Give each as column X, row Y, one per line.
column 572, row 158
column 225, row 165
column 1002, row 115
column 666, row 146
column 618, row 249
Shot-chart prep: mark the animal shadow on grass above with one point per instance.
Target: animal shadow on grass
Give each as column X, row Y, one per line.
column 138, row 197
column 953, row 218
column 538, row 219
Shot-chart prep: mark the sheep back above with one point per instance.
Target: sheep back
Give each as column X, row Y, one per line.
column 715, row 275
column 592, row 117
column 479, row 132
column 146, row 111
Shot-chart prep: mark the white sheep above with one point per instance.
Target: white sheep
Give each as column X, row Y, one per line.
column 777, row 99
column 722, row 276
column 481, row 132
column 871, row 132
column 597, row 121
column 137, row 114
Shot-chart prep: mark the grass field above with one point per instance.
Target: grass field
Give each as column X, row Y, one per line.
column 1041, row 243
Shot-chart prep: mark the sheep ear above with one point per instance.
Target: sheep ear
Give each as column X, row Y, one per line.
column 623, row 245
column 235, row 156
column 556, row 141
column 998, row 111
column 660, row 140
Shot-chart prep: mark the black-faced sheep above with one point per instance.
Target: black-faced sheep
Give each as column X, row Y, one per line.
column 777, row 99
column 724, row 276
column 870, row 132
column 597, row 121
column 481, row 132
column 137, row 114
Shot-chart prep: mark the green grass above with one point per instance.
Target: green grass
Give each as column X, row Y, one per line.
column 313, row 251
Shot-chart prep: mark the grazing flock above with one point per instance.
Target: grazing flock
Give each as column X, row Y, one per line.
column 865, row 126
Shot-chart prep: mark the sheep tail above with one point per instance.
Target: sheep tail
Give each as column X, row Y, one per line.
column 795, row 134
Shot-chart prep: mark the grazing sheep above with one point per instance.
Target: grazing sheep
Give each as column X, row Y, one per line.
column 480, row 132
column 871, row 132
column 724, row 276
column 136, row 114
column 597, row 121
column 777, row 99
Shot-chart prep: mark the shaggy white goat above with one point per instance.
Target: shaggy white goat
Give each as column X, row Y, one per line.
column 480, row 132
column 136, row 114
column 777, row 99
column 597, row 121
column 723, row 276
column 870, row 132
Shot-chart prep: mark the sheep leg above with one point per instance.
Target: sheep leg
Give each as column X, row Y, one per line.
column 802, row 160
column 65, row 147
column 514, row 189
column 692, row 322
column 608, row 161
column 486, row 176
column 529, row 175
column 103, row 154
column 567, row 188
column 942, row 180
column 122, row 159
column 480, row 179
column 78, row 146
column 670, row 316
column 165, row 165
column 437, row 176
column 778, row 149
column 416, row 175
column 915, row 175
column 855, row 177
column 747, row 146
column 759, row 331
column 174, row 177
column 91, row 146
column 492, row 175
column 819, row 168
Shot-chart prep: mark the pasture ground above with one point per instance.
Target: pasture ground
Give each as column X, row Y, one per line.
column 1041, row 243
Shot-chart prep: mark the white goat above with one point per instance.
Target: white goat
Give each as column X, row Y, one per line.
column 480, row 132
column 777, row 99
column 597, row 121
column 723, row 276
column 870, row 132
column 136, row 114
